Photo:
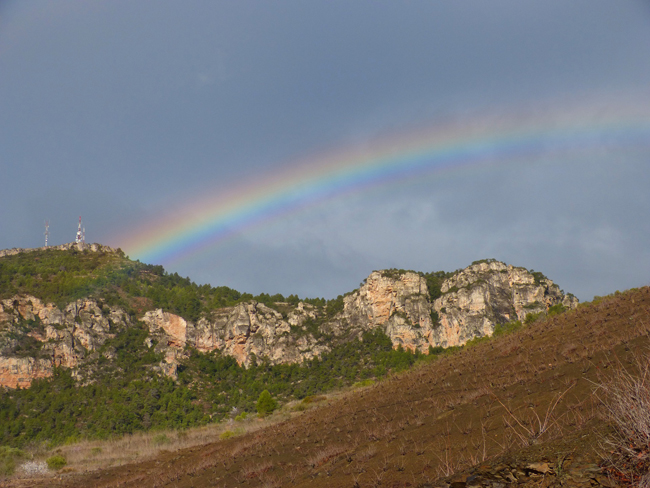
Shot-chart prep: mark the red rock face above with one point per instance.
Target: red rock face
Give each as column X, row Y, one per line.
column 174, row 327
column 20, row 372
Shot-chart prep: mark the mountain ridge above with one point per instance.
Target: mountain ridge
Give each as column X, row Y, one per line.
column 416, row 311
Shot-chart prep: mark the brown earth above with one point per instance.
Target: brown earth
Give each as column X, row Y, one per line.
column 518, row 409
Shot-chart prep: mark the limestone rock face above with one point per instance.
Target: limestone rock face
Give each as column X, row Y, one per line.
column 397, row 303
column 253, row 328
column 485, row 294
column 243, row 331
column 67, row 336
column 474, row 300
column 20, row 372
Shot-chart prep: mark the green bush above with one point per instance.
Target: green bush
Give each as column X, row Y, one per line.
column 533, row 317
column 556, row 310
column 507, row 328
column 266, row 404
column 8, row 456
column 56, row 462
column 227, row 435
column 320, row 398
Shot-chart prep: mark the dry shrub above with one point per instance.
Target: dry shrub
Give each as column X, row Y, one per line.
column 255, row 470
column 530, row 429
column 627, row 403
column 324, row 455
column 368, row 453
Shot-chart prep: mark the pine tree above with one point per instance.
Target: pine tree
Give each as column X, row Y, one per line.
column 266, row 404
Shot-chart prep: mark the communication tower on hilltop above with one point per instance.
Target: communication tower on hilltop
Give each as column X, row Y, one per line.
column 81, row 233
column 47, row 231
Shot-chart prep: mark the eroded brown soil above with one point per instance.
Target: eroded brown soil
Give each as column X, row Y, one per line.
column 486, row 416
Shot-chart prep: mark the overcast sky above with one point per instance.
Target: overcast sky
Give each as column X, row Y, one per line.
column 122, row 111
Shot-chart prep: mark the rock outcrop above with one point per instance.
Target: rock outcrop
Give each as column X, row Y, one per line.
column 36, row 337
column 473, row 302
column 78, row 246
column 20, row 372
column 57, row 337
column 397, row 303
column 244, row 331
column 488, row 293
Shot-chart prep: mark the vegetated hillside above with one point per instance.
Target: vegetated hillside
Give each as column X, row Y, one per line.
column 104, row 376
column 518, row 408
column 109, row 346
column 70, row 272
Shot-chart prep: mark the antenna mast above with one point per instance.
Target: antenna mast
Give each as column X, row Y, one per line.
column 47, row 231
column 81, row 234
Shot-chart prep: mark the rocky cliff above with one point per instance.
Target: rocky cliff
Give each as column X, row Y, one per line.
column 244, row 331
column 473, row 302
column 488, row 293
column 35, row 337
column 396, row 302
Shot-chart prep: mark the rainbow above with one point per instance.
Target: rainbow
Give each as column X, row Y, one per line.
column 211, row 219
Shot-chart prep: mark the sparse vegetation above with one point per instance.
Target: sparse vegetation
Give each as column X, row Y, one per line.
column 538, row 276
column 56, row 462
column 434, row 283
column 8, row 458
column 626, row 397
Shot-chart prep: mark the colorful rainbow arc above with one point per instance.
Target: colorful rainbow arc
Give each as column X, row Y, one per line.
column 211, row 219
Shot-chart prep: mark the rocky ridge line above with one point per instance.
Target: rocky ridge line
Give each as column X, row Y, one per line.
column 471, row 304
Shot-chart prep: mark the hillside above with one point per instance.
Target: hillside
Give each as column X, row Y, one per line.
column 519, row 408
column 99, row 345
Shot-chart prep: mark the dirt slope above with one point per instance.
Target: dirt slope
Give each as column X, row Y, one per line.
column 515, row 409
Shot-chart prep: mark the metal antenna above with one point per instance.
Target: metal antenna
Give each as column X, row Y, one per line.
column 47, row 231
column 80, row 235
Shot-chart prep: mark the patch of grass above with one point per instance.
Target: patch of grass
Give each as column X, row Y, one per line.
column 160, row 439
column 476, row 341
column 556, row 310
column 56, row 462
column 226, row 435
column 533, row 317
column 8, row 458
column 319, row 398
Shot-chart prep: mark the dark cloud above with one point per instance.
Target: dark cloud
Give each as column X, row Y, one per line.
column 121, row 110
